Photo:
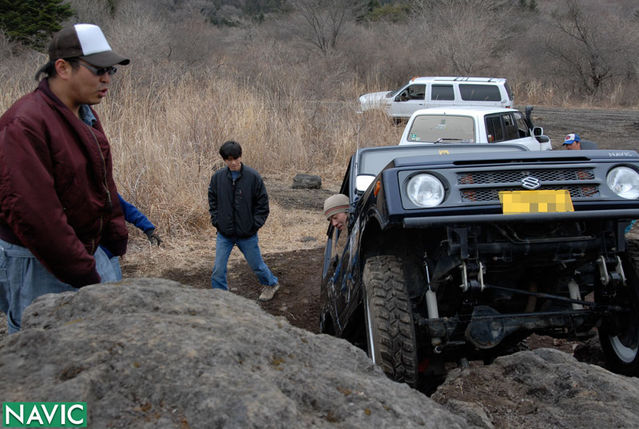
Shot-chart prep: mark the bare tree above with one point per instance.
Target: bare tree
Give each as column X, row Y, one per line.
column 465, row 36
column 322, row 21
column 590, row 45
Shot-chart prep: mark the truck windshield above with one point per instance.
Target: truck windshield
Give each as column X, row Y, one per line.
column 442, row 128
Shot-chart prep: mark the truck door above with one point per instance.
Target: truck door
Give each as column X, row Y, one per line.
column 408, row 99
column 440, row 95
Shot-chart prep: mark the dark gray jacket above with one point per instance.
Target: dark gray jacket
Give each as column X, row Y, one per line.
column 240, row 208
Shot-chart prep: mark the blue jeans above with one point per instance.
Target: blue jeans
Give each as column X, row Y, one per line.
column 117, row 270
column 23, row 278
column 251, row 251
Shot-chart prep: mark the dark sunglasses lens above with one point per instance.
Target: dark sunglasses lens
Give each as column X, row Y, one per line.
column 110, row 70
column 100, row 71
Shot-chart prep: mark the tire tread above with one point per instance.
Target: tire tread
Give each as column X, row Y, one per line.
column 393, row 319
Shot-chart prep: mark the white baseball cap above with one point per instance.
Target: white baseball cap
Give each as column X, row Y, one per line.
column 84, row 41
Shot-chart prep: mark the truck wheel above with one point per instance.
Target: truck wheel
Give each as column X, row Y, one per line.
column 621, row 345
column 390, row 332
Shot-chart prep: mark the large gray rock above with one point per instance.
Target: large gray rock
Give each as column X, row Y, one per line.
column 150, row 353
column 306, row 181
column 544, row 388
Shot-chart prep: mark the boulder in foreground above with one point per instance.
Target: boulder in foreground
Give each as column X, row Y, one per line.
column 150, row 353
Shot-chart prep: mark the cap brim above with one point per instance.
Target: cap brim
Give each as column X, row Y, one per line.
column 105, row 59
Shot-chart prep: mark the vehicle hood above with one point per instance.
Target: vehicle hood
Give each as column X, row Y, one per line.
column 375, row 100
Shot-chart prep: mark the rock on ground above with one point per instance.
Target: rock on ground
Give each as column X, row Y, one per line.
column 306, row 181
column 149, row 353
column 544, row 388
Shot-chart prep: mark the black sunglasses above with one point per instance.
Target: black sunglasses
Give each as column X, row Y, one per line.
column 99, row 71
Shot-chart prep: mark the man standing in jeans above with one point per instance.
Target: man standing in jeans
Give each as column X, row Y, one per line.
column 238, row 205
column 58, row 201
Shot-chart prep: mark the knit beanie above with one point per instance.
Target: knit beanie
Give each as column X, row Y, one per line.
column 334, row 204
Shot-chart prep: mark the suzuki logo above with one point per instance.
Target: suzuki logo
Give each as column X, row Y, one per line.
column 530, row 182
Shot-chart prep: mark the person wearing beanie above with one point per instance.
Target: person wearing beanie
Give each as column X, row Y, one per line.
column 58, row 198
column 336, row 210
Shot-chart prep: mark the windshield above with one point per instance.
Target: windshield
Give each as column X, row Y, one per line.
column 442, row 128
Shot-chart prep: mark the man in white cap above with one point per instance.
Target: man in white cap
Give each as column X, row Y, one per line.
column 58, row 200
column 336, row 210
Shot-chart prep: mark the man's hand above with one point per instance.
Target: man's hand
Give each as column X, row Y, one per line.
column 153, row 237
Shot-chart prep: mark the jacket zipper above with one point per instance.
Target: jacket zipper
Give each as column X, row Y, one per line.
column 105, row 184
column 233, row 205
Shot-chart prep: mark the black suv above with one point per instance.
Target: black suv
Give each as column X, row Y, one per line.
column 457, row 252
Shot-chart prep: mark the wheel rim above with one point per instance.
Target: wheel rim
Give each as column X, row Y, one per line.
column 625, row 353
column 626, row 344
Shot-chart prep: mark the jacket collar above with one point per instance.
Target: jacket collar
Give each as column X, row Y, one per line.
column 44, row 87
column 86, row 114
column 228, row 171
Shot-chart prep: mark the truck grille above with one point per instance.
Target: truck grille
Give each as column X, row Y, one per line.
column 510, row 180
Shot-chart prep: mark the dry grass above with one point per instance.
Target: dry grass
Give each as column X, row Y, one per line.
column 165, row 142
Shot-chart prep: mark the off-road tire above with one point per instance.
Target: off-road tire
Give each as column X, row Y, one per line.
column 390, row 332
column 622, row 350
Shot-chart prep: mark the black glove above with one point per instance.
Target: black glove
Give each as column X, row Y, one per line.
column 153, row 237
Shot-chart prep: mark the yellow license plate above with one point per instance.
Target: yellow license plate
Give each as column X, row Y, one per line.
column 516, row 202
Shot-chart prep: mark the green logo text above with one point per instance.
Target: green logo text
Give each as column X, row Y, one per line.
column 44, row 414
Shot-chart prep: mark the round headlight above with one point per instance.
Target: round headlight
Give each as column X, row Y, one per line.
column 425, row 190
column 624, row 182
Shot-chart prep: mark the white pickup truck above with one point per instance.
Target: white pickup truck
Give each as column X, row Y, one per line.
column 457, row 124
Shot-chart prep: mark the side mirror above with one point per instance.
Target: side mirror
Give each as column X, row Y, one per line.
column 538, row 131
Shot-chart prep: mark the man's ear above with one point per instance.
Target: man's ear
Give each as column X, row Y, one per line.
column 63, row 68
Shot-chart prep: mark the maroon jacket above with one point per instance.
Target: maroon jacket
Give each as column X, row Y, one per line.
column 57, row 195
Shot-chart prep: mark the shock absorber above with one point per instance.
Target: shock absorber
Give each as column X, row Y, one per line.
column 431, row 302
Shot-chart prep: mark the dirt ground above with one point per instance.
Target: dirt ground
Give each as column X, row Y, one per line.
column 610, row 129
column 299, row 271
column 299, row 274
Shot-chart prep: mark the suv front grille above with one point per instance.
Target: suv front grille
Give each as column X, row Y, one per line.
column 509, row 176
column 510, row 180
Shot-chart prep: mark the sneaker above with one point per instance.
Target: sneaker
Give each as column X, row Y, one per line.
column 269, row 292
